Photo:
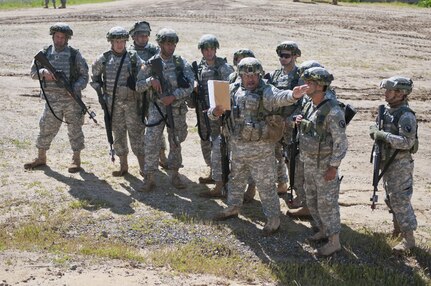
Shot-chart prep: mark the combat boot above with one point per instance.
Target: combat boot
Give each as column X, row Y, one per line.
column 141, row 161
column 39, row 161
column 53, row 4
column 407, row 243
column 75, row 166
column 331, row 247
column 149, row 183
column 302, row 212
column 124, row 167
column 176, row 180
column 271, row 226
column 207, row 179
column 250, row 193
column 229, row 212
column 63, row 6
column 281, row 188
column 318, row 236
column 216, row 192
column 163, row 161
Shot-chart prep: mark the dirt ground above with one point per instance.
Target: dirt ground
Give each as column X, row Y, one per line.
column 359, row 44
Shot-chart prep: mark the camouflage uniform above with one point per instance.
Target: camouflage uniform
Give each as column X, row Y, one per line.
column 179, row 109
column 255, row 157
column 399, row 135
column 63, row 105
column 125, row 117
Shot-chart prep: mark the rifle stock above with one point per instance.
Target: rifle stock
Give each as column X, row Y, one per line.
column 376, row 157
column 63, row 82
column 157, row 69
column 201, row 106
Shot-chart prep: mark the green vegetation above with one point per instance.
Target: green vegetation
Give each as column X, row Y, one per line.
column 17, row 4
column 424, row 3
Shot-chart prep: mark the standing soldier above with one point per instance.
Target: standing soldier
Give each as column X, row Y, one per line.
column 140, row 33
column 237, row 57
column 210, row 67
column 171, row 79
column 59, row 104
column 113, row 77
column 322, row 146
column 399, row 137
column 253, row 134
column 286, row 78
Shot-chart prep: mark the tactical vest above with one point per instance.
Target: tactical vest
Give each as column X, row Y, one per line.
column 277, row 73
column 394, row 126
column 73, row 67
column 109, row 75
column 323, row 108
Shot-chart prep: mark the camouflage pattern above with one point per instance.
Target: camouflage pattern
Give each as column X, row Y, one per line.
column 64, row 106
column 398, row 83
column 60, row 27
column 240, row 54
column 145, row 53
column 250, row 66
column 140, row 27
column 290, row 46
column 179, row 110
column 125, row 119
column 167, row 35
column 308, row 64
column 398, row 179
column 208, row 41
column 117, row 33
column 319, row 152
column 318, row 74
column 211, row 149
column 254, row 158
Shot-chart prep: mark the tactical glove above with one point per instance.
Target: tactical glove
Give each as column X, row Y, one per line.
column 381, row 135
column 306, row 125
column 373, row 129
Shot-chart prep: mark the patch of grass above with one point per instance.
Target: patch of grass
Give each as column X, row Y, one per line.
column 34, row 184
column 88, row 204
column 20, row 144
column 204, row 256
column 18, row 4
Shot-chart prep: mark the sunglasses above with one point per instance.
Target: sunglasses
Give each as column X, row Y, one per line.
column 285, row 56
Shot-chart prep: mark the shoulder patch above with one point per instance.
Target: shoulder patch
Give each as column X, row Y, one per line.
column 342, row 124
column 408, row 128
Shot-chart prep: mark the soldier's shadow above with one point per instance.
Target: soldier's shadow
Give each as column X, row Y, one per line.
column 96, row 192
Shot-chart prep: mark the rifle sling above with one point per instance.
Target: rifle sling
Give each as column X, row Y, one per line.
column 385, row 168
column 44, row 95
column 160, row 121
column 115, row 86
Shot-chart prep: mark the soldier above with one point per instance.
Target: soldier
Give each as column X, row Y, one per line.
column 286, row 78
column 59, row 104
column 322, row 146
column 47, row 2
column 253, row 134
column 171, row 87
column 63, row 4
column 113, row 77
column 399, row 136
column 237, row 57
column 211, row 67
column 140, row 33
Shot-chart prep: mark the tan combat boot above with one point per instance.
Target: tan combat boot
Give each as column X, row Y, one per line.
column 331, row 247
column 229, row 212
column 271, row 226
column 149, row 183
column 216, row 192
column 124, row 167
column 281, row 188
column 250, row 193
column 302, row 212
column 141, row 161
column 207, row 179
column 407, row 243
column 163, row 161
column 176, row 180
column 39, row 161
column 318, row 236
column 75, row 166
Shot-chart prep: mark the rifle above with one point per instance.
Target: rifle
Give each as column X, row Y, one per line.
column 376, row 157
column 108, row 122
column 63, row 82
column 224, row 151
column 157, row 69
column 292, row 152
column 200, row 106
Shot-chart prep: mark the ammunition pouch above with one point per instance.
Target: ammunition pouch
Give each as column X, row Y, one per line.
column 131, row 82
column 271, row 130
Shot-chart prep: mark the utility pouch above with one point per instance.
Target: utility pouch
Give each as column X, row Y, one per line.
column 273, row 129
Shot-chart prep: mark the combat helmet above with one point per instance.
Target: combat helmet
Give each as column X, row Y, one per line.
column 140, row 27
column 167, row 35
column 404, row 84
column 243, row 53
column 62, row 28
column 290, row 46
column 250, row 66
column 308, row 64
column 318, row 74
column 117, row 33
column 208, row 41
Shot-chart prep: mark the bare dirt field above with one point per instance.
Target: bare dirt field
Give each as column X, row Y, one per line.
column 359, row 44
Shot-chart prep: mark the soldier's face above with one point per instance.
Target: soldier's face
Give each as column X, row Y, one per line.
column 167, row 49
column 60, row 40
column 141, row 39
column 209, row 53
column 287, row 58
column 394, row 96
column 313, row 88
column 250, row 81
column 118, row 45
